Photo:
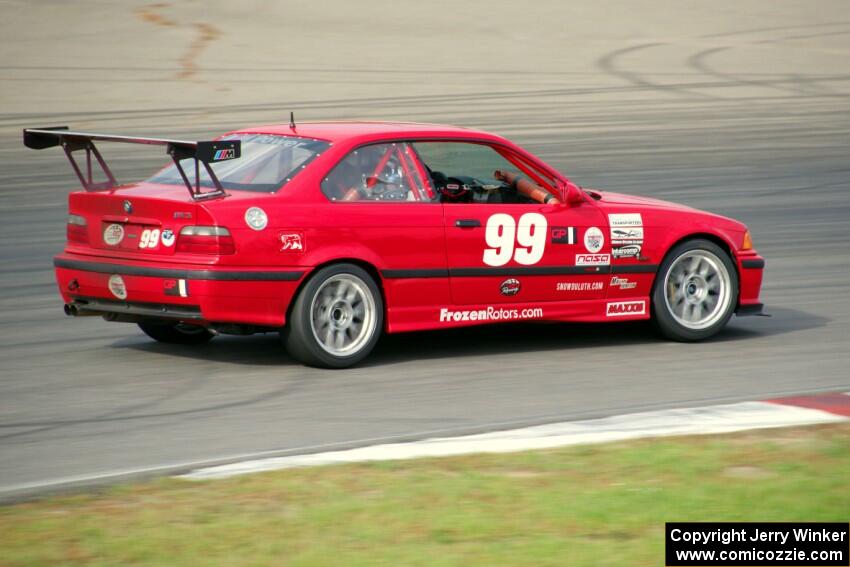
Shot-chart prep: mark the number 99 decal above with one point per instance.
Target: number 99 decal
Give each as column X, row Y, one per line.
column 149, row 238
column 524, row 241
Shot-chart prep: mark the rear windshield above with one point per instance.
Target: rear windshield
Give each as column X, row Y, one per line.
column 268, row 162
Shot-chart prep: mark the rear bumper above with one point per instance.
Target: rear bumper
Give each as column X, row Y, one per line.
column 96, row 306
column 184, row 292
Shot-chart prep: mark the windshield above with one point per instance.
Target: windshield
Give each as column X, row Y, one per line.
column 268, row 162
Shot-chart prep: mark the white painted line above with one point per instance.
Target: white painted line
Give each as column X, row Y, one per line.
column 689, row 421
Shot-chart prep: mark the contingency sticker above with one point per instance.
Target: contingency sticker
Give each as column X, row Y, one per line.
column 113, row 234
column 626, row 235
column 117, row 287
column 625, row 308
column 291, row 242
column 625, row 219
column 563, row 235
column 167, row 237
column 593, row 259
column 594, row 240
column 510, row 287
column 622, row 283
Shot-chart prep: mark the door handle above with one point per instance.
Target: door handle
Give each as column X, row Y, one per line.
column 467, row 223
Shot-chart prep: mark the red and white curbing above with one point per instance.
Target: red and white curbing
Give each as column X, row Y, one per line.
column 780, row 412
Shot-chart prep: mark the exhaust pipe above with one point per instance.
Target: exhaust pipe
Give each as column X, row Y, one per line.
column 72, row 310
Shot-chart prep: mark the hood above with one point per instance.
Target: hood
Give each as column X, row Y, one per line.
column 617, row 202
column 620, row 199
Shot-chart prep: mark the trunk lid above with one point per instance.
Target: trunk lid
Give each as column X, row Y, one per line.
column 140, row 221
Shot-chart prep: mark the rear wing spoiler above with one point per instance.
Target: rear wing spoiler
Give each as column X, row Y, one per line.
column 202, row 152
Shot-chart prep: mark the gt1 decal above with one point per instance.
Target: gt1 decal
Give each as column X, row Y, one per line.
column 622, row 283
column 523, row 241
column 510, row 287
column 149, row 238
column 625, row 308
column 579, row 286
column 167, row 237
column 113, row 234
column 627, row 219
column 593, row 259
column 291, row 242
column 563, row 235
column 490, row 314
column 594, row 240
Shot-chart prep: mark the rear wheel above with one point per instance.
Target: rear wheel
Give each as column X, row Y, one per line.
column 695, row 292
column 176, row 333
column 337, row 318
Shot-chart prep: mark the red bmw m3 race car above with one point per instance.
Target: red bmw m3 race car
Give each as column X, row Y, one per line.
column 333, row 233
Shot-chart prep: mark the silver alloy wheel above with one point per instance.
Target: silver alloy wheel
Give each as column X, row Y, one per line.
column 342, row 315
column 697, row 289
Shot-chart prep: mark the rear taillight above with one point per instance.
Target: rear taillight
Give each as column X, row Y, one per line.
column 205, row 240
column 77, row 229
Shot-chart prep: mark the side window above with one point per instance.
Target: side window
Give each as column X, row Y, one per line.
column 466, row 172
column 380, row 172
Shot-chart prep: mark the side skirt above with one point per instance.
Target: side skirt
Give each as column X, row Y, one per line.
column 401, row 319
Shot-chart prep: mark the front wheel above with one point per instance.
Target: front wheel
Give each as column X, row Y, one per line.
column 176, row 333
column 337, row 318
column 695, row 292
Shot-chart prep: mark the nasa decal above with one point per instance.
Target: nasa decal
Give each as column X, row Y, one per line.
column 593, row 259
column 594, row 240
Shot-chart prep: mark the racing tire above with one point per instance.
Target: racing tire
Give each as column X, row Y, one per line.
column 336, row 319
column 176, row 333
column 695, row 292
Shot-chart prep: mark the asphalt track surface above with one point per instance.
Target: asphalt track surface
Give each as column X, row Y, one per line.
column 747, row 116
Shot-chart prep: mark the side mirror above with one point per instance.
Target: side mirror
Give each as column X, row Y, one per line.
column 571, row 194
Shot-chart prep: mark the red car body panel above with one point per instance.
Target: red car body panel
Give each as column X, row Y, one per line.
column 430, row 269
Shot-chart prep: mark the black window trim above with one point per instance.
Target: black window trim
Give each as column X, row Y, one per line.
column 532, row 160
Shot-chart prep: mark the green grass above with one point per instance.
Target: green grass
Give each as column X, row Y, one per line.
column 594, row 505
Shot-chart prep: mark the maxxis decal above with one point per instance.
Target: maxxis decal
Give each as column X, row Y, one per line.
column 625, row 308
